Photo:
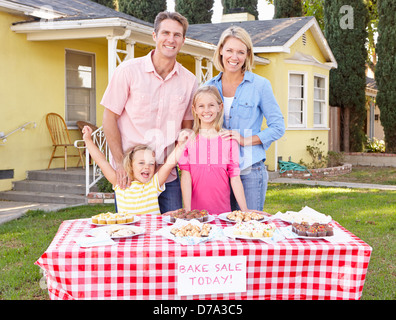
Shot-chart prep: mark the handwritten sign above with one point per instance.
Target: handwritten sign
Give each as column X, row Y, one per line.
column 211, row 275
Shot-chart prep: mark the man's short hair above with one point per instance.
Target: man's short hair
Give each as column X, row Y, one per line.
column 173, row 16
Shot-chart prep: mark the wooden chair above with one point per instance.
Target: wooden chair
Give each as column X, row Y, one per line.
column 60, row 137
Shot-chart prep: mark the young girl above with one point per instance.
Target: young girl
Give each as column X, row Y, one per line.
column 209, row 163
column 141, row 197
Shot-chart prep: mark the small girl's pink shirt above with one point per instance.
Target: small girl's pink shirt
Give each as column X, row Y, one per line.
column 211, row 163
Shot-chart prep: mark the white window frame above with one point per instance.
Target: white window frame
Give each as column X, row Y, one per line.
column 325, row 102
column 304, row 100
column 92, row 108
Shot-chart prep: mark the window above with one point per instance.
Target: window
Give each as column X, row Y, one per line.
column 80, row 88
column 297, row 100
column 319, row 101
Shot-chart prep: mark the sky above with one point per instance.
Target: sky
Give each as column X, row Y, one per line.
column 266, row 12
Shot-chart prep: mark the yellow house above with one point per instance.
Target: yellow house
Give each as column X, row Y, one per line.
column 59, row 57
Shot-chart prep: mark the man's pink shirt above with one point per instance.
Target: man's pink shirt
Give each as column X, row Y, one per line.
column 151, row 108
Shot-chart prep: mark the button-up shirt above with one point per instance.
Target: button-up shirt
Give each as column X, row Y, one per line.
column 151, row 108
column 253, row 101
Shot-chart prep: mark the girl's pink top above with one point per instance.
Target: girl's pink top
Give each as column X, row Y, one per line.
column 211, row 163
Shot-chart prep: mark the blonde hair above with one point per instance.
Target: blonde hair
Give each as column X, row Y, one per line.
column 212, row 90
column 240, row 34
column 130, row 157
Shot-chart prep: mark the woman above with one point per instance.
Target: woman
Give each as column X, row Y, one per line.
column 248, row 99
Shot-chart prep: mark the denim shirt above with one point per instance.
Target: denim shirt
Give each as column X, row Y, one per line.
column 253, row 101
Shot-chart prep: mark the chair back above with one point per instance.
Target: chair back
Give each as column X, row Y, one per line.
column 58, row 129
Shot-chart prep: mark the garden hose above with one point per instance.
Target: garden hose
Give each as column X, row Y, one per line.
column 292, row 166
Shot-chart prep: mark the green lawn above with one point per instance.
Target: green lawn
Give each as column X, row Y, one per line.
column 370, row 214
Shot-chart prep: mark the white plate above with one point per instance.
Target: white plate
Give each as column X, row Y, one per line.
column 136, row 218
column 101, row 231
column 223, row 216
column 210, row 219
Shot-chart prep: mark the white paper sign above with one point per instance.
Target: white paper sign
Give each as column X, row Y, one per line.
column 211, row 275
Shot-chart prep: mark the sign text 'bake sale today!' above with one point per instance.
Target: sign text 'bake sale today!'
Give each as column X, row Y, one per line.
column 211, row 275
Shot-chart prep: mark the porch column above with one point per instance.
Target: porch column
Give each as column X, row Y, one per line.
column 111, row 55
column 198, row 69
column 130, row 49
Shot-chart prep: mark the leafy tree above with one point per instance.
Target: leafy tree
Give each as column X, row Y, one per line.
column 249, row 6
column 196, row 11
column 345, row 31
column 385, row 73
column 145, row 10
column 108, row 3
column 287, row 8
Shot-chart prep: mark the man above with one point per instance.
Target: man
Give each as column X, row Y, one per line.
column 148, row 101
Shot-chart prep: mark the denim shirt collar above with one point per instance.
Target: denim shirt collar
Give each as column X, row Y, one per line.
column 248, row 76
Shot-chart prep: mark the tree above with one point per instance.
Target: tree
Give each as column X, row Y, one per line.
column 385, row 74
column 196, row 11
column 287, row 8
column 248, row 5
column 108, row 3
column 145, row 10
column 345, row 31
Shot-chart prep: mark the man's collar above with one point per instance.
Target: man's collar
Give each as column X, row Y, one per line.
column 149, row 66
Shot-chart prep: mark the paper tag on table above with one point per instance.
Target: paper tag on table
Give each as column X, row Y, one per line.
column 101, row 239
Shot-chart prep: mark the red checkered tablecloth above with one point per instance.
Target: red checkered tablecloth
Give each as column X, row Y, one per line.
column 145, row 266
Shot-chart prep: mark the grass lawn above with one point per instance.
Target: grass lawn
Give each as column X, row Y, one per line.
column 369, row 214
column 363, row 174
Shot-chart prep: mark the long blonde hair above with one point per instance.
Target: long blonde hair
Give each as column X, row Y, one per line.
column 130, row 156
column 212, row 90
column 240, row 34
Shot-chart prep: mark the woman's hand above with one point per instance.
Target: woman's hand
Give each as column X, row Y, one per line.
column 231, row 134
column 243, row 141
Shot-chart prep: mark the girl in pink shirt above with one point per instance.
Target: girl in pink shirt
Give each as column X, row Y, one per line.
column 210, row 164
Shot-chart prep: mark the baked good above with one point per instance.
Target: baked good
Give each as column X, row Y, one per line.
column 312, row 230
column 191, row 230
column 200, row 215
column 255, row 229
column 239, row 216
column 112, row 218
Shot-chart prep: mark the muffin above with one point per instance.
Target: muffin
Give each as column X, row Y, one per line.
column 102, row 219
column 95, row 219
column 129, row 217
column 121, row 218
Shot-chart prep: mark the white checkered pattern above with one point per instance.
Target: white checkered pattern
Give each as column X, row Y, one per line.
column 144, row 267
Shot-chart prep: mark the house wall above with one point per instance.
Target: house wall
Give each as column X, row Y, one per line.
column 293, row 143
column 32, row 84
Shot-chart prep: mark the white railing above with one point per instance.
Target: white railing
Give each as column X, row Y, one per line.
column 3, row 137
column 92, row 172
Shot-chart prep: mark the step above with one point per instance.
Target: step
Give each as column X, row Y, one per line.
column 50, row 187
column 71, row 175
column 42, row 197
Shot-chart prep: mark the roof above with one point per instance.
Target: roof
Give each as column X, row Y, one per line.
column 68, row 10
column 264, row 33
column 276, row 35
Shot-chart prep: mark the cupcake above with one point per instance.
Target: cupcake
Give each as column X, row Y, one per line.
column 312, row 232
column 111, row 219
column 102, row 219
column 121, row 218
column 129, row 217
column 329, row 231
column 95, row 219
column 321, row 230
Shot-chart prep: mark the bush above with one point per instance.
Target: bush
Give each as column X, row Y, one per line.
column 104, row 185
column 375, row 145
